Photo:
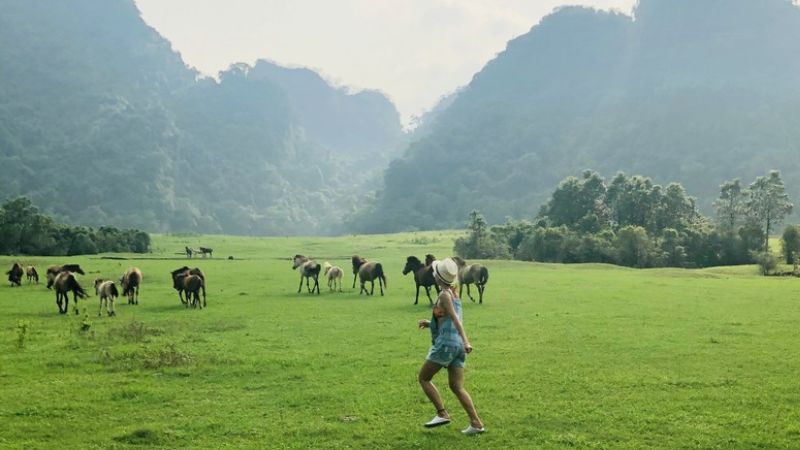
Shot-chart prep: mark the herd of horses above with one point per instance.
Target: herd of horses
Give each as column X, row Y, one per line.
column 371, row 271
column 203, row 251
column 189, row 283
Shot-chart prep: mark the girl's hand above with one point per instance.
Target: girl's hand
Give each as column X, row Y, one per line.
column 467, row 347
column 423, row 324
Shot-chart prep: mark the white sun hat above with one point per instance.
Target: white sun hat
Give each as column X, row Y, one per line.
column 445, row 271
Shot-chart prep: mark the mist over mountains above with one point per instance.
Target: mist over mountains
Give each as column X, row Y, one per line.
column 696, row 91
column 102, row 123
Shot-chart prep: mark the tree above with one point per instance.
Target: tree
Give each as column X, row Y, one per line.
column 730, row 204
column 768, row 203
column 791, row 244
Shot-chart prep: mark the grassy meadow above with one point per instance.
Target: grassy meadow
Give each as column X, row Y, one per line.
column 583, row 356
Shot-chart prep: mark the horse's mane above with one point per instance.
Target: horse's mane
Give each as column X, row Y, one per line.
column 178, row 271
column 413, row 259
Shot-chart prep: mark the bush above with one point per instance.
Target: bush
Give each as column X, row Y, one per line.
column 767, row 262
column 790, row 244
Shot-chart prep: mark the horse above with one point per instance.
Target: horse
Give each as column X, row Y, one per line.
column 53, row 271
column 130, row 281
column 423, row 276
column 15, row 275
column 191, row 284
column 308, row 269
column 188, row 252
column 206, row 251
column 180, row 285
column 32, row 274
column 63, row 283
column 429, row 259
column 357, row 263
column 371, row 271
column 469, row 274
column 106, row 290
column 334, row 274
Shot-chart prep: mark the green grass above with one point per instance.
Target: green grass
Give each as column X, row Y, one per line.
column 584, row 356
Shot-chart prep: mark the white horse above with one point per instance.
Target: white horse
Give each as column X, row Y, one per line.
column 334, row 274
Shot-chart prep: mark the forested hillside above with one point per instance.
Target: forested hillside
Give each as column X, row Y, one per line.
column 102, row 123
column 695, row 91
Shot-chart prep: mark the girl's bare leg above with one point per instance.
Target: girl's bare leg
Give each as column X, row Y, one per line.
column 456, row 378
column 426, row 373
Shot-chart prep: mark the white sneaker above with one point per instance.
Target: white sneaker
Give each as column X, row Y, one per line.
column 470, row 430
column 437, row 421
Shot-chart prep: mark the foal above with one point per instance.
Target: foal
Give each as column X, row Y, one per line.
column 130, row 281
column 471, row 274
column 106, row 290
column 63, row 283
column 371, row 271
column 423, row 276
column 32, row 274
column 334, row 274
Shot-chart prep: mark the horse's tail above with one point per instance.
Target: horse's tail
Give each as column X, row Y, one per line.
column 379, row 273
column 484, row 275
column 112, row 290
column 77, row 288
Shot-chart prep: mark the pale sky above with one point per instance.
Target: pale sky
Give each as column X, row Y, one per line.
column 415, row 51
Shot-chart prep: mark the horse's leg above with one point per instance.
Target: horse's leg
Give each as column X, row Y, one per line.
column 75, row 299
column 58, row 301
column 136, row 295
column 355, row 275
column 460, row 290
column 308, row 284
column 481, row 287
column 470, row 294
column 316, row 283
column 111, row 313
column 372, row 283
column 299, row 288
column 428, row 293
column 380, row 283
column 416, row 299
column 100, row 311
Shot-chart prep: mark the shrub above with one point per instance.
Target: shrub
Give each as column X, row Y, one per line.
column 767, row 262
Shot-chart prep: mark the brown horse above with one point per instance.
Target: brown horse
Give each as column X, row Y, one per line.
column 192, row 285
column 180, row 284
column 357, row 263
column 52, row 271
column 15, row 274
column 471, row 274
column 63, row 283
column 371, row 271
column 423, row 276
column 308, row 269
column 32, row 274
column 130, row 281
column 107, row 291
column 206, row 251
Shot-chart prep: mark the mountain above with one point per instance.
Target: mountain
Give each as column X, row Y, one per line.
column 102, row 123
column 698, row 91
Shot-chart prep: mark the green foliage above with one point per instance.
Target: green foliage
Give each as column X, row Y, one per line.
column 24, row 231
column 23, row 326
column 767, row 262
column 790, row 244
column 696, row 92
column 481, row 243
column 768, row 203
column 104, row 124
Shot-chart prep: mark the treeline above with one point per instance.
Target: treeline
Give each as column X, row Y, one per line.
column 634, row 222
column 24, row 231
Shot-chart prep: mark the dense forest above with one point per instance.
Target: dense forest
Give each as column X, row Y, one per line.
column 102, row 123
column 693, row 91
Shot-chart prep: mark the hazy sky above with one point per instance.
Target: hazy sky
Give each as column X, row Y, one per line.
column 415, row 51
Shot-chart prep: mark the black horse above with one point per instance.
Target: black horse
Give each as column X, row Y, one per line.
column 423, row 276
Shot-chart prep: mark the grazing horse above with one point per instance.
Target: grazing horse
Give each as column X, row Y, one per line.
column 308, row 269
column 32, row 274
column 130, row 281
column 334, row 274
column 53, row 271
column 188, row 251
column 423, row 276
column 15, row 275
column 371, row 271
column 106, row 290
column 357, row 263
column 469, row 274
column 206, row 251
column 180, row 283
column 191, row 284
column 63, row 283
